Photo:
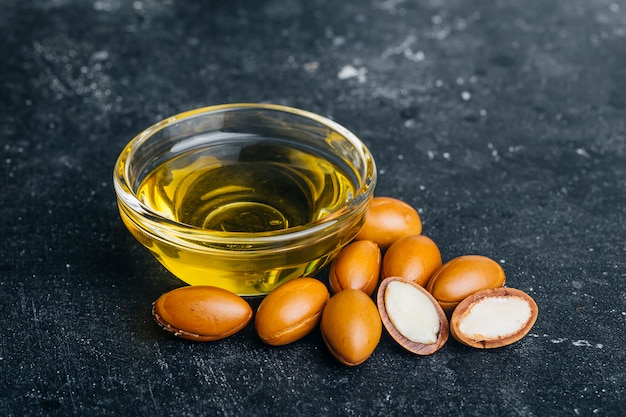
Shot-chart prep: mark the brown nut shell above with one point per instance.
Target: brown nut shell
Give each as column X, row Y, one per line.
column 462, row 276
column 201, row 313
column 291, row 311
column 388, row 219
column 357, row 266
column 414, row 258
column 351, row 326
column 493, row 318
column 412, row 316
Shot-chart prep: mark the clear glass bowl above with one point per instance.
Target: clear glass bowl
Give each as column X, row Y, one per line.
column 244, row 196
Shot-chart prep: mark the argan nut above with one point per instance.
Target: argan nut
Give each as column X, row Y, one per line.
column 412, row 316
column 460, row 277
column 493, row 318
column 414, row 258
column 389, row 219
column 357, row 266
column 351, row 326
column 291, row 311
column 201, row 313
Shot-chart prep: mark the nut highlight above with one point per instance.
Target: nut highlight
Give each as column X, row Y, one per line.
column 461, row 277
column 414, row 258
column 357, row 266
column 351, row 326
column 389, row 219
column 201, row 313
column 291, row 311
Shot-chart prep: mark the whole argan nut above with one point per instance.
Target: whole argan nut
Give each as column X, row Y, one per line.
column 412, row 316
column 493, row 318
column 357, row 266
column 414, row 258
column 389, row 219
column 351, row 326
column 291, row 311
column 201, row 313
column 460, row 277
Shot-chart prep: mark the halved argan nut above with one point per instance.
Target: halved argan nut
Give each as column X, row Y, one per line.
column 412, row 316
column 493, row 318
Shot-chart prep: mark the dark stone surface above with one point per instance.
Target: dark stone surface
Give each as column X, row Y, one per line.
column 503, row 122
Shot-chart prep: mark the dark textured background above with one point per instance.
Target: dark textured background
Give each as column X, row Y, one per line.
column 502, row 122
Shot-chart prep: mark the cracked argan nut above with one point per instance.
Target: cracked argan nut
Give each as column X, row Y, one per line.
column 201, row 313
column 357, row 266
column 351, row 326
column 493, row 318
column 291, row 311
column 460, row 277
column 412, row 316
column 414, row 258
column 388, row 219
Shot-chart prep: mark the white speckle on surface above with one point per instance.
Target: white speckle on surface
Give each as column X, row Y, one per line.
column 431, row 155
column 559, row 340
column 389, row 5
column 350, row 71
column 581, row 343
column 577, row 284
column 483, row 113
column 106, row 5
column 438, row 83
column 582, row 152
column 405, row 49
column 410, row 123
column 100, row 56
column 466, row 96
column 446, row 155
column 460, row 80
column 311, row 66
column 436, row 19
column 339, row 41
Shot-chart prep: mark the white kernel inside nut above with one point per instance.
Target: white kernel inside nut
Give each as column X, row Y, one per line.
column 412, row 312
column 494, row 317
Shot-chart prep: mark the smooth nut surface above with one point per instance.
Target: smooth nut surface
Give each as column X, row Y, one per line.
column 389, row 219
column 357, row 267
column 201, row 313
column 351, row 326
column 291, row 311
column 414, row 258
column 460, row 277
column 412, row 316
column 493, row 318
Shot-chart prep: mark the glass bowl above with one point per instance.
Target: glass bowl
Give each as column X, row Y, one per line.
column 244, row 196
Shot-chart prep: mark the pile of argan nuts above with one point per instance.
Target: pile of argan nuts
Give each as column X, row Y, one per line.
column 420, row 300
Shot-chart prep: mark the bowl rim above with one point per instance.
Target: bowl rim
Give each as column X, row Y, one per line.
column 183, row 232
